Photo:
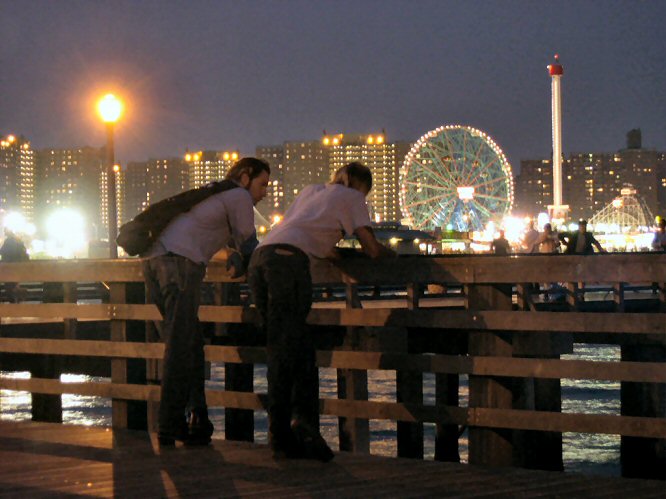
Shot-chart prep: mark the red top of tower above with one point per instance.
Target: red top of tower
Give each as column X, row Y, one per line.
column 556, row 69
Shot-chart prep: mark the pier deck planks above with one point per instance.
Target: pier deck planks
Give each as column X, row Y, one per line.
column 53, row 460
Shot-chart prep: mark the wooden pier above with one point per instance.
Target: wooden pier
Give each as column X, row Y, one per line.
column 46, row 460
column 479, row 316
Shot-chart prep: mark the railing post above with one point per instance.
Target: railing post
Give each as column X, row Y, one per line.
column 524, row 296
column 409, row 389
column 573, row 297
column 490, row 446
column 118, row 329
column 353, row 385
column 238, row 423
column 127, row 413
column 70, row 295
column 618, row 296
column 136, row 368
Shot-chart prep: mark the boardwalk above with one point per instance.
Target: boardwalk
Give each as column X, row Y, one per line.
column 52, row 460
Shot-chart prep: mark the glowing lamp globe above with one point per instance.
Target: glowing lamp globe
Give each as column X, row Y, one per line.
column 110, row 108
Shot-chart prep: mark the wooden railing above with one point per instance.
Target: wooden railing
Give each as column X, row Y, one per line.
column 498, row 330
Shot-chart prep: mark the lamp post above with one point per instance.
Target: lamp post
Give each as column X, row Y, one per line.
column 110, row 109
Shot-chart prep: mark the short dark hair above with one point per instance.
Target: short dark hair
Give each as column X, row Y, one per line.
column 252, row 166
column 354, row 170
column 582, row 222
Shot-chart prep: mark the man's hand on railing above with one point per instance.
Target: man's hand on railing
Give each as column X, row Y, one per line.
column 235, row 265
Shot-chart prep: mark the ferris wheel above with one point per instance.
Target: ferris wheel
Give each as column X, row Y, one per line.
column 455, row 177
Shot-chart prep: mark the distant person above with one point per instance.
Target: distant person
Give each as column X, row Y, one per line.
column 174, row 269
column 279, row 276
column 530, row 238
column 13, row 250
column 500, row 246
column 581, row 242
column 547, row 242
column 659, row 241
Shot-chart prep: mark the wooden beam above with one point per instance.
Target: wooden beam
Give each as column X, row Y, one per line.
column 639, row 372
column 477, row 269
column 480, row 417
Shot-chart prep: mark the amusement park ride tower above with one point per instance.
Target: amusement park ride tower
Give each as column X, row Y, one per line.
column 557, row 211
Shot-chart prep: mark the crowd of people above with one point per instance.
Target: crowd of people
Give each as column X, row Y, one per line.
column 580, row 242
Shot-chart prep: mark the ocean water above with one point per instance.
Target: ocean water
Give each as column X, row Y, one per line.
column 586, row 453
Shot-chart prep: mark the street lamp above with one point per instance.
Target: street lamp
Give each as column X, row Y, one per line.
column 110, row 109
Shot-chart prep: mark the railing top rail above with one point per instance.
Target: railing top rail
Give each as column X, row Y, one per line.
column 467, row 269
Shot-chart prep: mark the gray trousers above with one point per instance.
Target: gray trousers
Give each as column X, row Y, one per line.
column 174, row 285
column 279, row 276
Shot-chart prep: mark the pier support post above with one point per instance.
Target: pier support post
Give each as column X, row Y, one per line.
column 47, row 407
column 538, row 449
column 238, row 423
column 409, row 389
column 643, row 457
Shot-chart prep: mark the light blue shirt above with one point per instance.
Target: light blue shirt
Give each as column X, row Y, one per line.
column 319, row 217
column 223, row 220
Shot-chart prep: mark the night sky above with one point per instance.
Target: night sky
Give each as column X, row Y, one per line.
column 234, row 75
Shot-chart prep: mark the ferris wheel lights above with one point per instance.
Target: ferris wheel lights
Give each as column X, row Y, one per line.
column 438, row 178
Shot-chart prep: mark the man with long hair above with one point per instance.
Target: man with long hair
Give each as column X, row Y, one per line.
column 174, row 269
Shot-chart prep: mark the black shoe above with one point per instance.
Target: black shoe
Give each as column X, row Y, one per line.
column 286, row 447
column 168, row 438
column 184, row 434
column 199, row 428
column 314, row 445
column 281, row 453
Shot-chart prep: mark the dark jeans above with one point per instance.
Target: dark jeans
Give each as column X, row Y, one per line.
column 174, row 285
column 279, row 276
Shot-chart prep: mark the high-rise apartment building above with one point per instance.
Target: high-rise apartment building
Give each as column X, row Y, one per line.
column 209, row 166
column 147, row 182
column 382, row 157
column 296, row 164
column 305, row 163
column 72, row 178
column 17, row 176
column 273, row 204
column 534, row 187
column 592, row 180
